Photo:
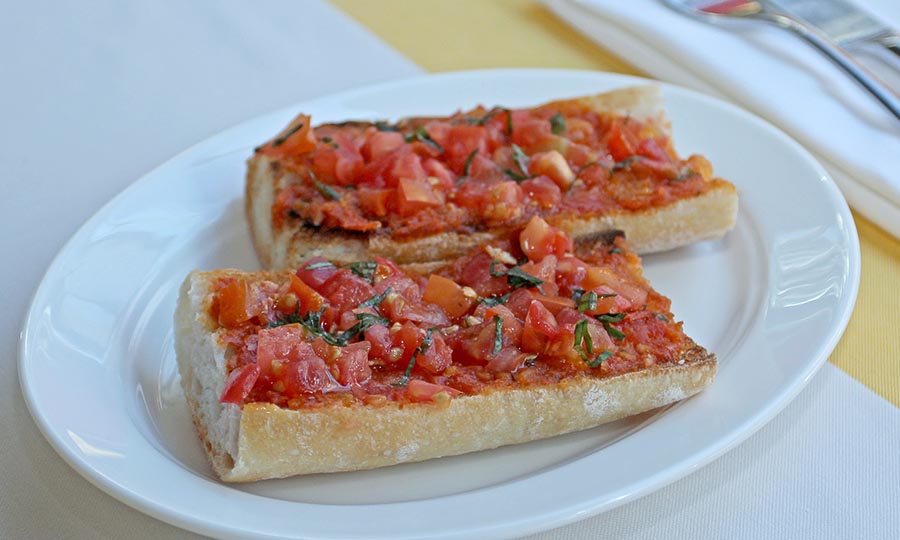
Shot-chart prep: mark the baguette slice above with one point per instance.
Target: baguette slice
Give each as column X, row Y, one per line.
column 285, row 243
column 258, row 440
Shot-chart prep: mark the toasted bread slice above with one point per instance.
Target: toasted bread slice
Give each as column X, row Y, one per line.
column 552, row 386
column 284, row 243
column 261, row 440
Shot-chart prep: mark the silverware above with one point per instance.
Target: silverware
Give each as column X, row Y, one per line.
column 843, row 22
column 761, row 10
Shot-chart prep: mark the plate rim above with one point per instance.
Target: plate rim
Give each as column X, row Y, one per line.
column 530, row 524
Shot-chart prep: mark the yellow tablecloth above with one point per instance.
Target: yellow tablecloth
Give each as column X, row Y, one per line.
column 447, row 35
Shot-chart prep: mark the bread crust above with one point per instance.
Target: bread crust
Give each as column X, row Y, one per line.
column 261, row 441
column 705, row 216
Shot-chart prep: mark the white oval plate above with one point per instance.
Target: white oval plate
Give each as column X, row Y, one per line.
column 98, row 371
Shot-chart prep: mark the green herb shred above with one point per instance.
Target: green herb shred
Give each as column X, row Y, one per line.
column 587, row 302
column 558, row 124
column 600, row 359
column 421, row 135
column 495, row 300
column 498, row 334
column 320, row 264
column 469, row 162
column 324, row 189
column 364, row 269
column 384, row 126
column 583, row 344
column 613, row 332
column 421, row 349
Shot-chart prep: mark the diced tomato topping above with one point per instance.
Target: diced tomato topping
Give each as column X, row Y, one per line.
column 295, row 139
column 315, row 272
column 448, row 294
column 621, row 141
column 506, row 361
column 309, row 299
column 545, row 270
column 414, row 195
column 540, row 326
column 422, row 391
column 236, row 303
column 374, row 201
column 437, row 170
column 353, row 364
column 379, row 143
column 339, row 165
column 239, row 383
column 379, row 339
column 540, row 239
column 477, row 274
column 408, row 165
column 345, row 290
column 437, row 357
column 597, row 276
column 542, row 191
column 407, row 339
column 554, row 303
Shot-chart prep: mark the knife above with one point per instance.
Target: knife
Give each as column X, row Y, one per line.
column 843, row 22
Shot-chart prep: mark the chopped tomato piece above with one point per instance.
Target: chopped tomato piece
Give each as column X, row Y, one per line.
column 374, row 201
column 294, row 140
column 379, row 143
column 437, row 357
column 512, row 328
column 379, row 338
column 315, row 272
column 448, row 294
column 543, row 191
column 345, row 290
column 353, row 364
column 280, row 344
column 239, row 383
column 414, row 195
column 597, row 276
column 502, row 202
column 339, row 165
column 421, row 391
column 407, row 339
column 621, row 141
column 540, row 239
column 545, row 270
column 236, row 303
column 309, row 299
column 553, row 303
column 540, row 326
column 507, row 360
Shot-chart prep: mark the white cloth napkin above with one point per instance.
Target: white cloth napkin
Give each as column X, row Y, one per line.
column 771, row 72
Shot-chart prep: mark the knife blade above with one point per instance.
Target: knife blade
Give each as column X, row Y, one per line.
column 842, row 22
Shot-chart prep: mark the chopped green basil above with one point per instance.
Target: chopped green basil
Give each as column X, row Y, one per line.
column 364, row 269
column 558, row 124
column 421, row 135
column 661, row 317
column 583, row 344
column 324, row 189
column 498, row 334
column 320, row 264
column 613, row 332
column 494, row 300
column 421, row 349
column 626, row 163
column 600, row 359
column 469, row 162
column 384, row 126
column 614, row 251
column 516, row 277
column 376, row 300
column 577, row 294
column 588, row 302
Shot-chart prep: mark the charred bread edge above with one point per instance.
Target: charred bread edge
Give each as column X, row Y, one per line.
column 264, row 441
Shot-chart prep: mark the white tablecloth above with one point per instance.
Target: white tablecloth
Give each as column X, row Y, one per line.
column 95, row 94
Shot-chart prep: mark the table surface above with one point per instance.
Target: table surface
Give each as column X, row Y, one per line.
column 97, row 95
